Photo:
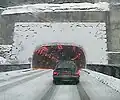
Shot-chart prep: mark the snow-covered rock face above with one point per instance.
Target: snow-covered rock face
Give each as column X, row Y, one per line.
column 5, row 47
column 91, row 36
column 101, row 6
column 3, row 60
column 5, row 51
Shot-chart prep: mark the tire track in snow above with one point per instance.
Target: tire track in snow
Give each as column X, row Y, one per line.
column 49, row 93
column 66, row 92
column 83, row 95
column 52, row 91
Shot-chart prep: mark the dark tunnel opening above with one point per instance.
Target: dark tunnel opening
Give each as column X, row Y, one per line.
column 48, row 56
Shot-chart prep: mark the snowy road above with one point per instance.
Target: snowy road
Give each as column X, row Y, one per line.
column 38, row 86
column 65, row 92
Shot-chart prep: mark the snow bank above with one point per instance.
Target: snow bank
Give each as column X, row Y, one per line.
column 101, row 6
column 110, row 81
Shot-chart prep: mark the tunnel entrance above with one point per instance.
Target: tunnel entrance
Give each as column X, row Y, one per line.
column 47, row 56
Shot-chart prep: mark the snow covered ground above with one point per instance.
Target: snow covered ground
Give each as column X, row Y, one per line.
column 36, row 88
column 16, row 80
column 110, row 81
column 65, row 92
column 4, row 76
column 101, row 6
column 96, row 89
column 28, row 90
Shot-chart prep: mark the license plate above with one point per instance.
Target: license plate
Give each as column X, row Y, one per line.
column 66, row 75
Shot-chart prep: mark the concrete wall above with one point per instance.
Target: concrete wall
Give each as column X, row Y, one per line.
column 28, row 35
column 54, row 17
column 6, row 30
column 114, row 58
column 7, row 23
column 115, row 28
column 19, row 2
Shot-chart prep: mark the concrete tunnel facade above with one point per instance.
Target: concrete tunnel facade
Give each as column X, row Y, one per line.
column 46, row 56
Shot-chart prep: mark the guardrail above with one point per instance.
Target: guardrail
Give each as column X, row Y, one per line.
column 111, row 69
column 12, row 67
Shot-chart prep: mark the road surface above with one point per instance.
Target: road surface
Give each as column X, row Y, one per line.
column 38, row 86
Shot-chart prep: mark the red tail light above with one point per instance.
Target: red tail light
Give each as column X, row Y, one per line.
column 55, row 73
column 77, row 73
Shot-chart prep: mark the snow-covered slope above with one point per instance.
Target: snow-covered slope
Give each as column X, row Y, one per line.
column 91, row 36
column 101, row 6
column 110, row 81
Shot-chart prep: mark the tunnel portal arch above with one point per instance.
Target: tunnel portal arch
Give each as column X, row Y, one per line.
column 49, row 54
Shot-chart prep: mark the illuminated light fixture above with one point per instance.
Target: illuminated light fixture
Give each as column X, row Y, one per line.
column 44, row 48
column 38, row 51
column 60, row 47
column 77, row 56
column 41, row 51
